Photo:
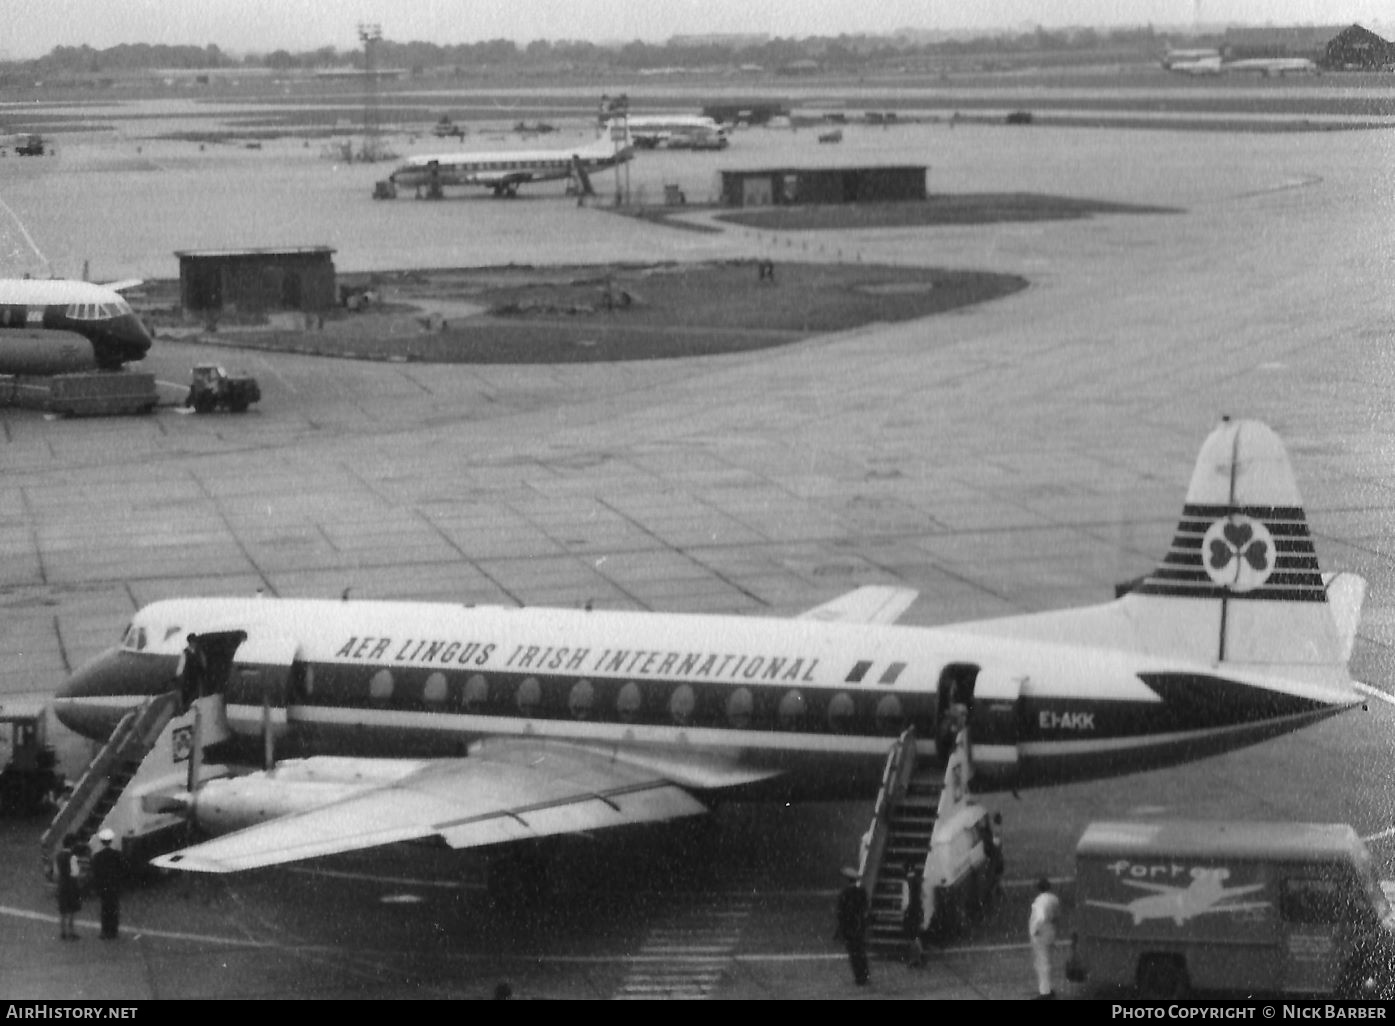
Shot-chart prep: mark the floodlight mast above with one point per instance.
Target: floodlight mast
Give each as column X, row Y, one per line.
column 370, row 34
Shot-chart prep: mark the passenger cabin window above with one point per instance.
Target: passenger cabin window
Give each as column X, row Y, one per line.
column 582, row 697
column 380, row 687
column 791, row 710
column 476, row 693
column 890, row 718
column 740, row 706
column 628, row 701
column 529, row 696
column 434, row 691
column 840, row 712
column 682, row 703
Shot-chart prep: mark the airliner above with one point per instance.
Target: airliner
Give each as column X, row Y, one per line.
column 505, row 170
column 480, row 725
column 1175, row 57
column 1269, row 66
column 59, row 326
column 1266, row 66
column 689, row 131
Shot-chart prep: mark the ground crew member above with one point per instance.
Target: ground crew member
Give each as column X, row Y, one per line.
column 852, row 926
column 69, row 898
column 1041, row 927
column 913, row 914
column 108, row 876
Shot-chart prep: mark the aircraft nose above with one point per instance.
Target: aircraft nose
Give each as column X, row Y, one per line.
column 101, row 691
column 136, row 336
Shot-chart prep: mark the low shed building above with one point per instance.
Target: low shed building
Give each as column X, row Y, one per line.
column 257, row 280
column 791, row 185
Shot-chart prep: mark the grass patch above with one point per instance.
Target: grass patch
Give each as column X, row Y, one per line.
column 608, row 313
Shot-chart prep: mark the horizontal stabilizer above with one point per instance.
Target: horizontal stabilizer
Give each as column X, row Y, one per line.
column 874, row 603
column 1346, row 592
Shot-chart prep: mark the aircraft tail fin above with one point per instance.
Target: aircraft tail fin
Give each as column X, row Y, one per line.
column 1241, row 581
column 615, row 135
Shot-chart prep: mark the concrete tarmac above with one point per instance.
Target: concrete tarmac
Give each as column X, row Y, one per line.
column 1023, row 455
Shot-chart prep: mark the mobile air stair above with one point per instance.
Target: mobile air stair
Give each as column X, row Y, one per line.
column 903, row 821
column 95, row 798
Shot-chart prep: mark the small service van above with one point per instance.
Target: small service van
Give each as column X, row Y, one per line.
column 1171, row 907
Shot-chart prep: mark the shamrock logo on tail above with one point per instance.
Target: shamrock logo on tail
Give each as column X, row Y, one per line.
column 1238, row 553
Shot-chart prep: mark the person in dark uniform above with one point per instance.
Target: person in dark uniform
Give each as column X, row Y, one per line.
column 912, row 914
column 193, row 670
column 108, row 876
column 69, row 899
column 852, row 926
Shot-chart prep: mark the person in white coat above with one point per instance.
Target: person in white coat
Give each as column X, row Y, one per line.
column 1041, row 927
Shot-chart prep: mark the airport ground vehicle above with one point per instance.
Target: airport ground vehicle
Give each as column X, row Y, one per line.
column 213, row 388
column 32, row 146
column 84, row 394
column 29, row 780
column 963, row 869
column 1170, row 907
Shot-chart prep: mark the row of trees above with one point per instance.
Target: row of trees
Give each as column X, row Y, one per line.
column 833, row 53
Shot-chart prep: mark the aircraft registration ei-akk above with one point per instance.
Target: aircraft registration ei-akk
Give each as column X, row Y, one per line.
column 62, row 326
column 513, row 724
column 505, row 170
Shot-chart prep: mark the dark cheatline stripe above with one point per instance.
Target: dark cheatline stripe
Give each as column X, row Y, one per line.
column 1296, row 576
column 1193, row 701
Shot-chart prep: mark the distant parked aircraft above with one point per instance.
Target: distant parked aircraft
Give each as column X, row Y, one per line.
column 1266, row 66
column 677, row 131
column 1174, row 57
column 505, row 170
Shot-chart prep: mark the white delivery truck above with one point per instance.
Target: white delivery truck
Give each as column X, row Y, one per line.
column 1169, row 907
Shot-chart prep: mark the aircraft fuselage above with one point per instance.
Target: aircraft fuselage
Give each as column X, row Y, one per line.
column 57, row 327
column 818, row 705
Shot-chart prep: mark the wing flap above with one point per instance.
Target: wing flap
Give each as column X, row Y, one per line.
column 872, row 603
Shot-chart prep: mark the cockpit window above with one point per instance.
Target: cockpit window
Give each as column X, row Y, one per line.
column 135, row 639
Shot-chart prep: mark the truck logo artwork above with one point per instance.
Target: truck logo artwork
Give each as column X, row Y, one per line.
column 1239, row 553
column 1205, row 894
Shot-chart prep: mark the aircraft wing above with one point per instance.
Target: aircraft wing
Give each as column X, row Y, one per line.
column 873, row 603
column 494, row 179
column 124, row 284
column 507, row 790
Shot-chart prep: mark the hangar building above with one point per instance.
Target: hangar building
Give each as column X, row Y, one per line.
column 256, row 280
column 1359, row 48
column 792, row 185
column 746, row 112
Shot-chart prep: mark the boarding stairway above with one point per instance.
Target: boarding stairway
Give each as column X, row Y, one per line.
column 903, row 821
column 102, row 783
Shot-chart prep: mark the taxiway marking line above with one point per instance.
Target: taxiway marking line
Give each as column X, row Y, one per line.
column 1366, row 689
column 136, row 933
